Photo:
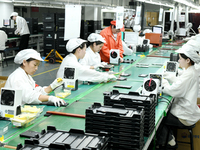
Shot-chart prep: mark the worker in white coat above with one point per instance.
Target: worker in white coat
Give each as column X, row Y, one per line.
column 21, row 79
column 92, row 58
column 22, row 30
column 3, row 40
column 77, row 49
column 184, row 90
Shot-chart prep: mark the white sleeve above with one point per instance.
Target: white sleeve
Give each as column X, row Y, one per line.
column 19, row 24
column 29, row 95
column 177, row 88
column 41, row 90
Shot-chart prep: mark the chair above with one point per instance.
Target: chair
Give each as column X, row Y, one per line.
column 3, row 54
column 191, row 135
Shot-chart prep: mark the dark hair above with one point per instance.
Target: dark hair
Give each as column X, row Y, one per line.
column 28, row 60
column 113, row 26
column 97, row 43
column 185, row 57
column 11, row 17
column 80, row 46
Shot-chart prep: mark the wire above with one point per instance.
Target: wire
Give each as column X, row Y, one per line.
column 164, row 98
column 164, row 101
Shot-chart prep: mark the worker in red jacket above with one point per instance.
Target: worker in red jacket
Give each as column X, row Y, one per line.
column 113, row 40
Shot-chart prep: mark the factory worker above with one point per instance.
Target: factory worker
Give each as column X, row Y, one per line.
column 92, row 58
column 21, row 79
column 113, row 40
column 22, row 30
column 184, row 90
column 77, row 49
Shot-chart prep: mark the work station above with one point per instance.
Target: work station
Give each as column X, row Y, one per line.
column 99, row 75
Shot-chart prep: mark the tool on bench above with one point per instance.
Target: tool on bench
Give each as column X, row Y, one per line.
column 7, row 146
column 65, row 114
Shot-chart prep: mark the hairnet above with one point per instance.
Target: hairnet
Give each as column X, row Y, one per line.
column 93, row 37
column 190, row 51
column 26, row 54
column 114, row 23
column 14, row 14
column 74, row 43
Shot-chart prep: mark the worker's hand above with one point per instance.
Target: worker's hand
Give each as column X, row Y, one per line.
column 98, row 66
column 165, row 83
column 104, row 63
column 112, row 77
column 16, row 32
column 166, row 75
column 121, row 60
column 57, row 101
column 57, row 82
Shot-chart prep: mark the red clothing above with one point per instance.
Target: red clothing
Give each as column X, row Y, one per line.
column 111, row 43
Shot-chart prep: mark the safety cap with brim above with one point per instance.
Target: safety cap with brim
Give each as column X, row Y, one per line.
column 194, row 43
column 14, row 14
column 26, row 54
column 74, row 43
column 114, row 23
column 93, row 37
column 191, row 52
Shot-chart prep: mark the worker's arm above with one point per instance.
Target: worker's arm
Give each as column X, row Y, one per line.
column 119, row 38
column 105, row 49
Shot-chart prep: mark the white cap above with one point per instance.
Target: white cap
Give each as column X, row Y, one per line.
column 26, row 54
column 136, row 27
column 74, row 43
column 194, row 43
column 198, row 27
column 190, row 51
column 14, row 14
column 147, row 31
column 93, row 37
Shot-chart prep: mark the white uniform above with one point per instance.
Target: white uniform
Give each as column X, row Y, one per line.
column 22, row 27
column 197, row 67
column 84, row 73
column 20, row 80
column 90, row 58
column 3, row 40
column 185, row 89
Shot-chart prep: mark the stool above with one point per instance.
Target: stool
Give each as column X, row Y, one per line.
column 3, row 54
column 191, row 135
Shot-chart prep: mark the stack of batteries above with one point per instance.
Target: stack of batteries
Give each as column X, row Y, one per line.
column 133, row 100
column 124, row 126
column 73, row 140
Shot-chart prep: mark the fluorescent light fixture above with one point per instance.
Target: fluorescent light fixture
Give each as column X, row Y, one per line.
column 6, row 1
column 156, row 3
column 184, row 2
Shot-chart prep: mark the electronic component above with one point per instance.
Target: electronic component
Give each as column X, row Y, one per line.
column 143, row 75
column 128, row 61
column 146, row 41
column 114, row 56
column 158, row 76
column 151, row 86
column 174, row 57
column 11, row 101
column 121, row 79
column 172, row 67
column 125, row 74
column 70, row 78
column 123, row 86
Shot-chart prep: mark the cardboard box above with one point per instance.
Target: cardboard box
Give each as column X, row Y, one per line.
column 184, row 136
column 3, row 80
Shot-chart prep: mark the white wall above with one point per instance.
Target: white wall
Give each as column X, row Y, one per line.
column 5, row 10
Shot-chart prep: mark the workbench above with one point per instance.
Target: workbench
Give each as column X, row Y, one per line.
column 87, row 94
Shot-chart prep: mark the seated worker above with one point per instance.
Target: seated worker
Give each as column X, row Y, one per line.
column 21, row 79
column 92, row 58
column 113, row 40
column 184, row 89
column 77, row 49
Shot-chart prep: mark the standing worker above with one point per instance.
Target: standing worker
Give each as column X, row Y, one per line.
column 22, row 30
column 113, row 40
column 3, row 40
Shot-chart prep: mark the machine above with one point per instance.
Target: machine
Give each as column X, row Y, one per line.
column 172, row 67
column 114, row 56
column 70, row 78
column 11, row 101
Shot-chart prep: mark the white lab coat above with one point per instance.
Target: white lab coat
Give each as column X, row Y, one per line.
column 22, row 27
column 197, row 67
column 3, row 39
column 185, row 90
column 20, row 80
column 84, row 73
column 90, row 58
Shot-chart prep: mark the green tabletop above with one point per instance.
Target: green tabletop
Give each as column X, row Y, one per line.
column 86, row 95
